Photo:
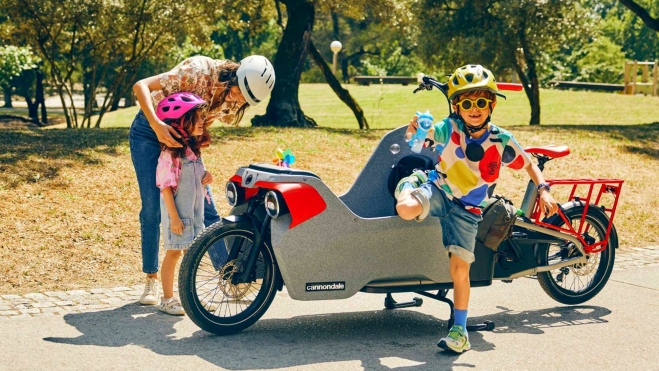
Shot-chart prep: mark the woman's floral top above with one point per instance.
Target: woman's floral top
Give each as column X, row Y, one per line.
column 198, row 75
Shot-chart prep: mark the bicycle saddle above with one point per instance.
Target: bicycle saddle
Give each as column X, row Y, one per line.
column 549, row 151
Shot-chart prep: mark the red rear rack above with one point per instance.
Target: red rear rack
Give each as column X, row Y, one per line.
column 612, row 186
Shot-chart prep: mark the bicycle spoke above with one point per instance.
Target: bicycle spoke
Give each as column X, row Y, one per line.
column 220, row 297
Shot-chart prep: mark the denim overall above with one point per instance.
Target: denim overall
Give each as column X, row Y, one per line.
column 189, row 199
column 144, row 152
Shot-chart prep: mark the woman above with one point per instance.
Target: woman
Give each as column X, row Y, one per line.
column 230, row 88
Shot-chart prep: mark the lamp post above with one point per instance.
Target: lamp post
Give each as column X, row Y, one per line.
column 335, row 46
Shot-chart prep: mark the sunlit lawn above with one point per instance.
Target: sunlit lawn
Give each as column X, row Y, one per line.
column 389, row 106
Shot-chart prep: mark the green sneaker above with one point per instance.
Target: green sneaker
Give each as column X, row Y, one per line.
column 456, row 341
column 415, row 179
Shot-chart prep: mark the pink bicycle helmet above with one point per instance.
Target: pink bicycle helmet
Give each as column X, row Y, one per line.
column 174, row 106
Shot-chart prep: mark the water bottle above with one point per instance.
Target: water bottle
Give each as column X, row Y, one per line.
column 424, row 122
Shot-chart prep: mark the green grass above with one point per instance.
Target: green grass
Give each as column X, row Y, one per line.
column 390, row 106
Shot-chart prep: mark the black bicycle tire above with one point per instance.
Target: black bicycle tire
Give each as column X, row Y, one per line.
column 187, row 289
column 546, row 279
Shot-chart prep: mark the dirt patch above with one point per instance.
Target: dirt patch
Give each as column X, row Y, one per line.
column 22, row 122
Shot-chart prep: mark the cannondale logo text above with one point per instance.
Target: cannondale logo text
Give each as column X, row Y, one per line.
column 325, row 286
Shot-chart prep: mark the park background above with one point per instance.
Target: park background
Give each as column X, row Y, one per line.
column 68, row 197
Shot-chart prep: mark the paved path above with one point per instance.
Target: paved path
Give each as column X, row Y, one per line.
column 77, row 301
column 615, row 330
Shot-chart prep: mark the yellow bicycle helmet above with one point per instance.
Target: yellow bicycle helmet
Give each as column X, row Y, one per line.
column 472, row 77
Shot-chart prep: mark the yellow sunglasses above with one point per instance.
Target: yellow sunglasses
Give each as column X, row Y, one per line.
column 480, row 103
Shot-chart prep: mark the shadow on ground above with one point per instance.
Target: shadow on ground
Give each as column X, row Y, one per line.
column 33, row 155
column 304, row 340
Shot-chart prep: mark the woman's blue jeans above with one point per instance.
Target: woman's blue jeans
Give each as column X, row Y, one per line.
column 144, row 151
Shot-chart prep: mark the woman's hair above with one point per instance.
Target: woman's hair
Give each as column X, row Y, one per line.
column 195, row 142
column 228, row 78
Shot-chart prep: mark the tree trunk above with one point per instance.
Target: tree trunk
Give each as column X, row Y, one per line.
column 343, row 94
column 32, row 110
column 7, row 93
column 529, row 79
column 40, row 97
column 284, row 106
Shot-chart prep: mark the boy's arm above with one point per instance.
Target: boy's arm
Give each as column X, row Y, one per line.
column 547, row 202
column 176, row 223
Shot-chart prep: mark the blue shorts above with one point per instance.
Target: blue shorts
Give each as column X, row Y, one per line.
column 459, row 226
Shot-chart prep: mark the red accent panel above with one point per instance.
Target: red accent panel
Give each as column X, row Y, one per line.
column 551, row 151
column 303, row 200
column 249, row 192
column 509, row 86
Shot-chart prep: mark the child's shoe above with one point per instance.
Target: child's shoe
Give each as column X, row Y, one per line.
column 150, row 295
column 456, row 341
column 417, row 178
column 171, row 306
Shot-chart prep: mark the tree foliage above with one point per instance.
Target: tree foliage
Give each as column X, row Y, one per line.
column 90, row 40
column 13, row 61
column 377, row 40
column 521, row 35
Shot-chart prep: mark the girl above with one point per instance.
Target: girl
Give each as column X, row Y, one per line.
column 229, row 88
column 179, row 176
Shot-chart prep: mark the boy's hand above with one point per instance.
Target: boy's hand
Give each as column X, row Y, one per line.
column 177, row 225
column 547, row 203
column 207, row 179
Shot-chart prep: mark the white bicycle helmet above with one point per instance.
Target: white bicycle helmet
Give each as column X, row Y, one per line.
column 256, row 78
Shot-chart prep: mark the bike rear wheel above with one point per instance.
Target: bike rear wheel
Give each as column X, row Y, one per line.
column 209, row 297
column 580, row 282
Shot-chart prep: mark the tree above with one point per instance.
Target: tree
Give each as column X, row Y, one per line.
column 502, row 34
column 14, row 61
column 641, row 12
column 284, row 107
column 374, row 43
column 87, row 40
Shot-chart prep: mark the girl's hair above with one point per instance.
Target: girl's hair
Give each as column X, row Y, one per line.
column 228, row 78
column 185, row 126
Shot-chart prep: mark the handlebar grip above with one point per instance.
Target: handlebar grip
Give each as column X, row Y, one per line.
column 509, row 86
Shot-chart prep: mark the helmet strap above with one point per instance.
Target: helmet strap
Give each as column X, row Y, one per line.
column 178, row 126
column 468, row 129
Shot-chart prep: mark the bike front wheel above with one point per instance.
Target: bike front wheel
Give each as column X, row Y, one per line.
column 579, row 283
column 209, row 297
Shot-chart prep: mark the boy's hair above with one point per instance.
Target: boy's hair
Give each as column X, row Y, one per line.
column 185, row 126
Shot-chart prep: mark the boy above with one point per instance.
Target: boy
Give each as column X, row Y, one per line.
column 471, row 153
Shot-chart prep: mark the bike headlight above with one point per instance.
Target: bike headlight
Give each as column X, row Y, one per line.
column 271, row 203
column 232, row 194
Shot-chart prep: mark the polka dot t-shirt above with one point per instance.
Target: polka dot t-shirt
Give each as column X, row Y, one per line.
column 468, row 166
